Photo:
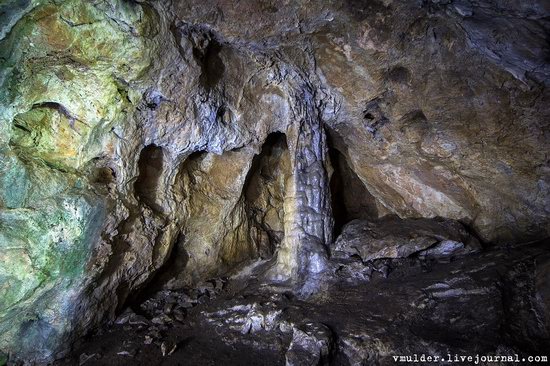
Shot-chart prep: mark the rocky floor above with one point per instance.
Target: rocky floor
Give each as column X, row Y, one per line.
column 493, row 302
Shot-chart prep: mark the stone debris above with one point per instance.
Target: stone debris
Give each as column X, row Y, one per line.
column 124, row 317
column 167, row 309
column 161, row 320
column 246, row 319
column 312, row 344
column 138, row 320
column 84, row 358
column 127, row 353
column 206, row 288
column 473, row 298
column 167, row 348
column 129, row 319
column 168, row 305
column 154, row 333
column 179, row 314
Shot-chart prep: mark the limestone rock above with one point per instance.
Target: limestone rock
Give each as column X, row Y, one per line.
column 396, row 238
column 310, row 346
column 250, row 318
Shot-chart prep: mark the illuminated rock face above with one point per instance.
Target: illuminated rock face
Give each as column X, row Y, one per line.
column 133, row 134
column 65, row 76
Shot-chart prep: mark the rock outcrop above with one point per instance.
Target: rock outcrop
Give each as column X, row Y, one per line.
column 396, row 238
column 198, row 135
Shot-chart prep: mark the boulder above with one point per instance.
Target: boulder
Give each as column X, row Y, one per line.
column 392, row 237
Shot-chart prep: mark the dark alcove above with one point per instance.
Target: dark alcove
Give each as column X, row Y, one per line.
column 264, row 193
column 350, row 198
column 150, row 168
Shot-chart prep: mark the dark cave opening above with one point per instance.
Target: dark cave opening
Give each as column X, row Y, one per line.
column 177, row 258
column 150, row 165
column 349, row 197
column 262, row 199
column 264, row 193
column 212, row 66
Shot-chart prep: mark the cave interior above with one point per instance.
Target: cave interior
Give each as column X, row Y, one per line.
column 307, row 183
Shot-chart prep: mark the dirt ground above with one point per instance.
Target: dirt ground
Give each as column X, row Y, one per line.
column 479, row 304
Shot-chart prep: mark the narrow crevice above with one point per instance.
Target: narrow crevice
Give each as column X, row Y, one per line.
column 211, row 64
column 473, row 232
column 206, row 48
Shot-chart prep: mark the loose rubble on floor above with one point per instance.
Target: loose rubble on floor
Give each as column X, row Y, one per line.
column 429, row 301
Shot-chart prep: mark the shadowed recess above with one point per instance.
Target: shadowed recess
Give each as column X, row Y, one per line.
column 150, row 165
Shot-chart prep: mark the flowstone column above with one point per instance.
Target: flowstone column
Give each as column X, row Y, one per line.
column 308, row 221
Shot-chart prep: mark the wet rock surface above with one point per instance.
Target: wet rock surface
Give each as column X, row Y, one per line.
column 489, row 302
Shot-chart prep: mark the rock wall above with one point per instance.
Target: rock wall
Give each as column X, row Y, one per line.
column 129, row 130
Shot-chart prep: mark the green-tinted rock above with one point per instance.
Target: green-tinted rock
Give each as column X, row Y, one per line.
column 14, row 183
column 67, row 70
column 44, row 251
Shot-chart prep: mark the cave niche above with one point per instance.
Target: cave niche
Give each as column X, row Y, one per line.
column 150, row 166
column 349, row 197
column 264, row 194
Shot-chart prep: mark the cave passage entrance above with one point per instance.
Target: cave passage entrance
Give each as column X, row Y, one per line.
column 349, row 197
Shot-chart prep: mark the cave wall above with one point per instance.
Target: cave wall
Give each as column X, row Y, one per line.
column 432, row 112
column 455, row 117
column 214, row 225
